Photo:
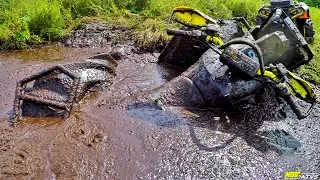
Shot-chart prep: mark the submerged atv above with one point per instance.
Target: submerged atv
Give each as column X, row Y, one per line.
column 223, row 68
column 297, row 11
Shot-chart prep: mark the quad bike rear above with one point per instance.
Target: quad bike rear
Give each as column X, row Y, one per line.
column 297, row 11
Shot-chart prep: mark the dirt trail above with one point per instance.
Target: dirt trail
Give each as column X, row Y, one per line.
column 131, row 142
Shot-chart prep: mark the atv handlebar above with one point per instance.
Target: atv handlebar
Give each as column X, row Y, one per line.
column 192, row 33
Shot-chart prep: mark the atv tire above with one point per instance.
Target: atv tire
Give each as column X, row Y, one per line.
column 185, row 51
column 309, row 31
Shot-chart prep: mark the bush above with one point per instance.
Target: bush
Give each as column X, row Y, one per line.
column 47, row 20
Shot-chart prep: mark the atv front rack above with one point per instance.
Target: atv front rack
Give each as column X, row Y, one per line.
column 35, row 95
column 53, row 92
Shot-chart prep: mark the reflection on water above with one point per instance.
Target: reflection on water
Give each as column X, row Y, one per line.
column 168, row 72
column 151, row 113
column 45, row 53
column 46, row 122
column 277, row 140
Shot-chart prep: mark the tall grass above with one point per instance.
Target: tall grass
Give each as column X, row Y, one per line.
column 311, row 71
column 214, row 8
column 28, row 22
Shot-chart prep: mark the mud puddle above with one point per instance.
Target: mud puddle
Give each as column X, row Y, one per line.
column 140, row 141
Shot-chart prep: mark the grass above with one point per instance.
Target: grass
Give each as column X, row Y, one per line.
column 149, row 25
column 24, row 23
column 31, row 22
column 28, row 22
column 311, row 71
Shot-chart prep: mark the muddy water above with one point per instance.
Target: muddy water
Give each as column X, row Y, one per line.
column 103, row 141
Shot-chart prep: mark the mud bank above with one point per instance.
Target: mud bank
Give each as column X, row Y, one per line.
column 95, row 35
column 108, row 136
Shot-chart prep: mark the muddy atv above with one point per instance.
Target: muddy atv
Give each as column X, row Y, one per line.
column 228, row 72
column 297, row 11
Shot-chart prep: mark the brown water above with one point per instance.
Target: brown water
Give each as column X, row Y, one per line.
column 103, row 141
column 93, row 143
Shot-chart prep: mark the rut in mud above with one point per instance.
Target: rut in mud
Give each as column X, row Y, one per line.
column 113, row 135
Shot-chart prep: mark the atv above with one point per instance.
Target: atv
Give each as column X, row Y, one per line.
column 226, row 66
column 297, row 11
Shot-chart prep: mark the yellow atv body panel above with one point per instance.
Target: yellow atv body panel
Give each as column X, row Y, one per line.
column 296, row 85
column 301, row 88
column 192, row 17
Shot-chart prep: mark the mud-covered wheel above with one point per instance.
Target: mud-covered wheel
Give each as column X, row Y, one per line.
column 309, row 31
column 183, row 51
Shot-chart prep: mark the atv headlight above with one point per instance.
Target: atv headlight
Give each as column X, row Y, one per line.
column 264, row 12
column 296, row 12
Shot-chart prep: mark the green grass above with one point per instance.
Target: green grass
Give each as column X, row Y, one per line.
column 149, row 24
column 24, row 23
column 29, row 22
column 311, row 71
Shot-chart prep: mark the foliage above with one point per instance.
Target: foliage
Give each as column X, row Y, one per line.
column 51, row 20
column 23, row 21
column 314, row 3
column 311, row 72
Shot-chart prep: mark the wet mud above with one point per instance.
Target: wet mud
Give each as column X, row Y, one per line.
column 119, row 133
